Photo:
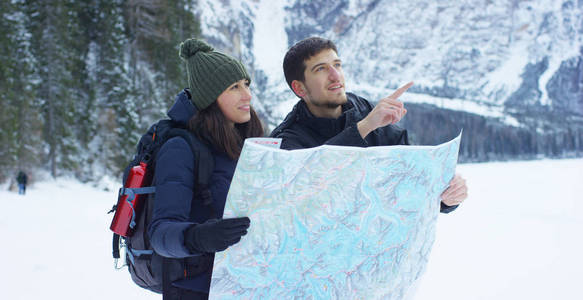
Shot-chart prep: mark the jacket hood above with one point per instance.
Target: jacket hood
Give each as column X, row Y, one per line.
column 183, row 109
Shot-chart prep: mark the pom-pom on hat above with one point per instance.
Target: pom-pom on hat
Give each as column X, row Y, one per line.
column 209, row 72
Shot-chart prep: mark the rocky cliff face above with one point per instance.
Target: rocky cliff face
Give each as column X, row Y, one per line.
column 510, row 73
column 566, row 85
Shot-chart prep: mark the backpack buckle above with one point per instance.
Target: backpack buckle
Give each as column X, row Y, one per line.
column 123, row 249
column 116, row 264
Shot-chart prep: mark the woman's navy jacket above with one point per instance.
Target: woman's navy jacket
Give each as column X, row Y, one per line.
column 175, row 206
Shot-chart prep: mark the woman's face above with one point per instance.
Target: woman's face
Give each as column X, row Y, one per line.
column 235, row 102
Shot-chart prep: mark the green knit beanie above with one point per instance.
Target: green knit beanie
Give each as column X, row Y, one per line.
column 209, row 72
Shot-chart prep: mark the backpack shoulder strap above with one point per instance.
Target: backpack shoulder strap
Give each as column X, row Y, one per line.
column 204, row 160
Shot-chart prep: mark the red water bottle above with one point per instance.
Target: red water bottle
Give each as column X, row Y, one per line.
column 129, row 204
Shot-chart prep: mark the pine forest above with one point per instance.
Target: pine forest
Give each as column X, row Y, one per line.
column 80, row 81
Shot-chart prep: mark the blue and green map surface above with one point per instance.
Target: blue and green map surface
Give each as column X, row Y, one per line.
column 332, row 222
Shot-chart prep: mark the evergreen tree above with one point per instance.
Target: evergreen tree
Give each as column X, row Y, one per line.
column 155, row 29
column 114, row 89
column 19, row 135
column 83, row 92
column 54, row 26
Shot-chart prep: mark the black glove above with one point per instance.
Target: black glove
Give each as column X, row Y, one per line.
column 215, row 235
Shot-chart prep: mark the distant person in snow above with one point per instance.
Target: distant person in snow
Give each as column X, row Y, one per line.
column 21, row 179
column 217, row 109
column 326, row 114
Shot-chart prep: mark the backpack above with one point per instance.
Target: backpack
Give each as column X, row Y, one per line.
column 133, row 211
column 21, row 179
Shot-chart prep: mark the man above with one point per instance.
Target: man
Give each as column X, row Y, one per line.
column 326, row 114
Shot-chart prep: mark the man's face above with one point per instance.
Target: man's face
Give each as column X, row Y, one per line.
column 323, row 87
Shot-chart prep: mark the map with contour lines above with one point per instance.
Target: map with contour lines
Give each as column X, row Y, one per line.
column 332, row 222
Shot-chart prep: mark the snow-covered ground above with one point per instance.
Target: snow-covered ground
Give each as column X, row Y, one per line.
column 518, row 236
column 56, row 244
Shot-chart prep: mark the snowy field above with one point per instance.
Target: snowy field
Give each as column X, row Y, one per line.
column 518, row 236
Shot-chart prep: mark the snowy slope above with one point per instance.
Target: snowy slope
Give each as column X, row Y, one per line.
column 516, row 237
column 480, row 48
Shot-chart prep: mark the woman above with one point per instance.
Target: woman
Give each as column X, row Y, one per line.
column 184, row 230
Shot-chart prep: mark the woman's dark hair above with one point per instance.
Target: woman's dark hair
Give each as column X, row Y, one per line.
column 210, row 125
column 294, row 62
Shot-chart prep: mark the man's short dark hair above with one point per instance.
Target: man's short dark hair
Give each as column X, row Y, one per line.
column 294, row 62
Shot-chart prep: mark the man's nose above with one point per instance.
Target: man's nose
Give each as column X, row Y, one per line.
column 333, row 74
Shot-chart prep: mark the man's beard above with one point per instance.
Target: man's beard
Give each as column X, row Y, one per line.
column 325, row 102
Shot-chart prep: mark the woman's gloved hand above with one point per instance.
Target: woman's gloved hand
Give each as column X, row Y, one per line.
column 215, row 235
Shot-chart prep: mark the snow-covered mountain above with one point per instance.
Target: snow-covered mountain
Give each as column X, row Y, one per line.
column 516, row 66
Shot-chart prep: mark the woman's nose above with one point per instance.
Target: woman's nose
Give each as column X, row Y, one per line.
column 247, row 93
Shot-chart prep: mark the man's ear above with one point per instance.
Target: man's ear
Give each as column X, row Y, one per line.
column 298, row 88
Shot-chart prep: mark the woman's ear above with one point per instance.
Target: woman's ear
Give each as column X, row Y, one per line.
column 298, row 88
